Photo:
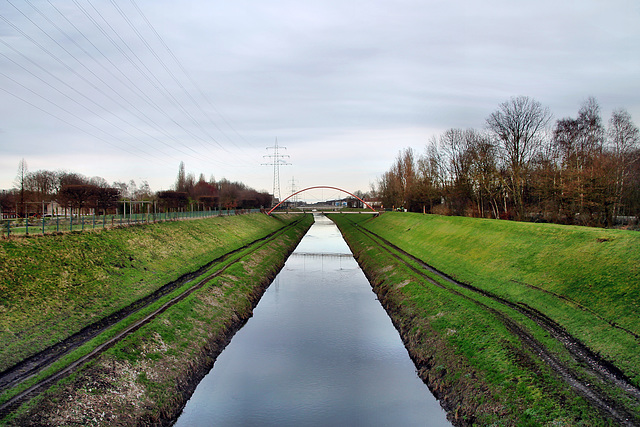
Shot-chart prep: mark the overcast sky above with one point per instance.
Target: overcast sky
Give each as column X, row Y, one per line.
column 127, row 89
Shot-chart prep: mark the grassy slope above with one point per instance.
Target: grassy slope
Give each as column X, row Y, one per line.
column 52, row 286
column 146, row 378
column 597, row 269
column 471, row 362
column 474, row 364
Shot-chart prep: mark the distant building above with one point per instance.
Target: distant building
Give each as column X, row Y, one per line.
column 374, row 202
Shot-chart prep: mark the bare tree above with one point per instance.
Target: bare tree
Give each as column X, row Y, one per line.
column 590, row 129
column 546, row 182
column 406, row 170
column 229, row 194
column 430, row 176
column 98, row 181
column 518, row 126
column 624, row 140
column 389, row 189
column 181, row 179
column 71, row 178
column 21, row 183
column 580, row 142
column 43, row 185
column 189, row 183
column 632, row 194
column 105, row 198
column 519, row 169
column 454, row 146
column 173, row 200
column 396, row 186
column 206, row 193
column 483, row 174
column 8, row 202
column 78, row 196
column 123, row 188
column 144, row 191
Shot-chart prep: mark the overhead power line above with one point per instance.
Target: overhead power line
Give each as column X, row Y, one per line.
column 111, row 71
column 188, row 76
column 108, row 89
column 106, row 140
column 100, row 89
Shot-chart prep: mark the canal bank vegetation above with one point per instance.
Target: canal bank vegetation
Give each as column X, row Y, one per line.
column 53, row 286
column 531, row 324
column 150, row 371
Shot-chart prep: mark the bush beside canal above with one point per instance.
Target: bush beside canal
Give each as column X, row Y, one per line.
column 147, row 377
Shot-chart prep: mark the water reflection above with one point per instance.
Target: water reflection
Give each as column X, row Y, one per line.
column 319, row 350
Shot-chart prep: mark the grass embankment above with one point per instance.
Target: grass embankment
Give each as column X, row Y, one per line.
column 53, row 286
column 147, row 377
column 585, row 279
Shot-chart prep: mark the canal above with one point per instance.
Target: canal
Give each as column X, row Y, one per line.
column 319, row 350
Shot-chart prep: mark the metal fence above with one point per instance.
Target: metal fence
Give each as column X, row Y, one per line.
column 61, row 224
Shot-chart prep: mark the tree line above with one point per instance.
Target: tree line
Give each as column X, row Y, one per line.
column 523, row 166
column 75, row 193
column 212, row 194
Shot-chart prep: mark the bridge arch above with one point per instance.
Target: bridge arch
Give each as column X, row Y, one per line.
column 324, row 187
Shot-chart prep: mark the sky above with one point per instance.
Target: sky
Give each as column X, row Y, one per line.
column 128, row 89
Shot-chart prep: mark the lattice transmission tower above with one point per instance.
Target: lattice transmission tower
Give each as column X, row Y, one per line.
column 277, row 159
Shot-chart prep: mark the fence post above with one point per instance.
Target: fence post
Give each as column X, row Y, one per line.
column 43, row 224
column 26, row 221
column 8, row 228
column 71, row 222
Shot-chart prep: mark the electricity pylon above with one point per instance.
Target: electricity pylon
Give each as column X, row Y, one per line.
column 276, row 161
column 293, row 191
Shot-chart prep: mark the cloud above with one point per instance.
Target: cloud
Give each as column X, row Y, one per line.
column 343, row 84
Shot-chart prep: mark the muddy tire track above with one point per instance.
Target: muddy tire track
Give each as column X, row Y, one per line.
column 581, row 307
column 590, row 362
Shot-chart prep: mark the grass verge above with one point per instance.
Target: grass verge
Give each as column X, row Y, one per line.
column 53, row 286
column 467, row 355
column 147, row 377
column 586, row 279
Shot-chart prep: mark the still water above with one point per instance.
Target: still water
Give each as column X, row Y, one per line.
column 319, row 351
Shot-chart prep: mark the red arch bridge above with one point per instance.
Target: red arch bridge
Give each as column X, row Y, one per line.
column 322, row 187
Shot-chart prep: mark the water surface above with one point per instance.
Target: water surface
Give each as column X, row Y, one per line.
column 319, row 351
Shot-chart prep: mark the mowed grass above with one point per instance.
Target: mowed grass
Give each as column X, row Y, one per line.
column 460, row 340
column 145, row 378
column 53, row 286
column 586, row 279
column 464, row 351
